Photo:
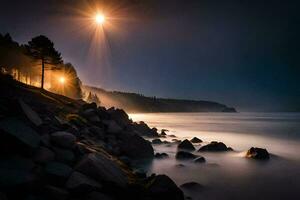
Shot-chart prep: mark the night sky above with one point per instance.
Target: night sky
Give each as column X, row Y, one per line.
column 241, row 53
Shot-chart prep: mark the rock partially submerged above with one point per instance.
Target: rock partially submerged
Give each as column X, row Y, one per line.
column 161, row 187
column 161, row 155
column 196, row 140
column 186, row 145
column 157, row 141
column 215, row 147
column 258, row 153
column 199, row 160
column 183, row 155
column 191, row 186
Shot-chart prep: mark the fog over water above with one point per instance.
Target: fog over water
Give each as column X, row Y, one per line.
column 230, row 175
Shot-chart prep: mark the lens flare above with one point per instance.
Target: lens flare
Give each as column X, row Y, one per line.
column 100, row 19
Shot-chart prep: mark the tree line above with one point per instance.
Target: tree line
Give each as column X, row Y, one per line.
column 30, row 63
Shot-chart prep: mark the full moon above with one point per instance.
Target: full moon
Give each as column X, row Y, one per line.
column 100, row 19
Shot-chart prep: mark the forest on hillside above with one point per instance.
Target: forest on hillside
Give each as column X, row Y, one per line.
column 39, row 64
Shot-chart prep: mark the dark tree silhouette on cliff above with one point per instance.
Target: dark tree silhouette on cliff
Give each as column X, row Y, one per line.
column 42, row 48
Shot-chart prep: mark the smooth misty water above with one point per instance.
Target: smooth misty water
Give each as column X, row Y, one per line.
column 230, row 175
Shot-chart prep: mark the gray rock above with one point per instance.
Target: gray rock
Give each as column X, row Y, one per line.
column 157, row 141
column 19, row 133
column 186, row 145
column 136, row 147
column 196, row 140
column 183, row 155
column 162, row 187
column 161, row 155
column 102, row 169
column 199, row 160
column 215, row 146
column 63, row 139
column 112, row 126
column 81, row 183
column 258, row 153
column 191, row 186
column 43, row 155
column 31, row 115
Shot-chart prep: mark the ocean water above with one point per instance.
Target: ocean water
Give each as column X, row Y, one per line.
column 230, row 175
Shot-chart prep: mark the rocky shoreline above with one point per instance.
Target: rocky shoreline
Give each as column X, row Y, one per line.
column 53, row 147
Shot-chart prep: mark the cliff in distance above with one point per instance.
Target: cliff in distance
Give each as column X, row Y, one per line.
column 137, row 103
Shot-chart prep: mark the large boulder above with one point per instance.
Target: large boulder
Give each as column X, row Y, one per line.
column 63, row 139
column 120, row 116
column 196, row 140
column 56, row 193
column 183, row 155
column 30, row 114
column 102, row 169
column 135, row 147
column 144, row 130
column 186, row 145
column 258, row 153
column 215, row 146
column 80, row 183
column 16, row 136
column 161, row 187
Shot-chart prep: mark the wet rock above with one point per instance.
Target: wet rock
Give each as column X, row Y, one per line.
column 186, row 145
column 161, row 187
column 196, row 140
column 63, row 139
column 102, row 169
column 258, row 153
column 191, row 186
column 43, row 155
column 183, row 155
column 16, row 136
column 156, row 141
column 161, row 155
column 31, row 115
column 173, row 136
column 199, row 160
column 136, row 147
column 215, row 146
column 80, row 183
